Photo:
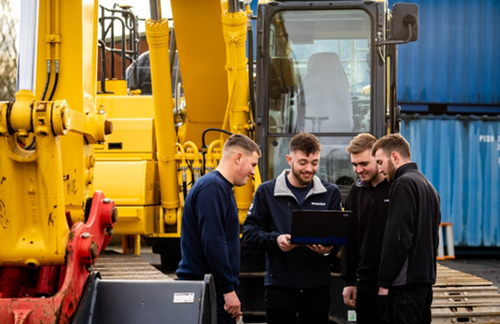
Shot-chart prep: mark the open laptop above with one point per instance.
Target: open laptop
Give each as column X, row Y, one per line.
column 325, row 227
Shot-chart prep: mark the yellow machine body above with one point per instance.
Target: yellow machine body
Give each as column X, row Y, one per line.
column 146, row 158
column 46, row 147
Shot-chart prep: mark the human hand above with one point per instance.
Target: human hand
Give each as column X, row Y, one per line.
column 383, row 312
column 383, row 291
column 350, row 294
column 232, row 305
column 284, row 242
column 320, row 248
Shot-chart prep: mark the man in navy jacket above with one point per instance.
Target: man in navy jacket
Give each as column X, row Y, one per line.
column 210, row 233
column 408, row 262
column 297, row 278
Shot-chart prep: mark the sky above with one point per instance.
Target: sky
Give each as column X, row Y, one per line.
column 139, row 7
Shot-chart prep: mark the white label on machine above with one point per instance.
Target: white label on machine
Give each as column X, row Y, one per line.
column 184, row 297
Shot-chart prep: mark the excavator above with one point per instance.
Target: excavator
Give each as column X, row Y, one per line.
column 86, row 155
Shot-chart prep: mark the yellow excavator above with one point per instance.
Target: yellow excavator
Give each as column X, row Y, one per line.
column 81, row 159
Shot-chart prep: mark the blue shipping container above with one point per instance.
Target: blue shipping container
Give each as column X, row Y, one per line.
column 460, row 155
column 456, row 59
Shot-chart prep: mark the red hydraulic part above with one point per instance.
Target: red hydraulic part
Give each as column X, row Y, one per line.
column 50, row 294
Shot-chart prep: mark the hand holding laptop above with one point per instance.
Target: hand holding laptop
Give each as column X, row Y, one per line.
column 284, row 242
column 320, row 248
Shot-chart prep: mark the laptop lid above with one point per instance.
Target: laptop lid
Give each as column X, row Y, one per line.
column 325, row 227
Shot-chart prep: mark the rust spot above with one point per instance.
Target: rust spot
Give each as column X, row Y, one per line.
column 41, row 106
column 3, row 179
column 50, row 220
column 4, row 222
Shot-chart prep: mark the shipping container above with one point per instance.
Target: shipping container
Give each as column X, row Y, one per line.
column 460, row 155
column 455, row 64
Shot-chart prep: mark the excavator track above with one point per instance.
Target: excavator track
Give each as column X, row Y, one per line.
column 113, row 265
column 463, row 298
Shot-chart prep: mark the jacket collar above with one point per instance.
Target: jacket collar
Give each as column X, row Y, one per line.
column 281, row 189
column 360, row 183
column 405, row 168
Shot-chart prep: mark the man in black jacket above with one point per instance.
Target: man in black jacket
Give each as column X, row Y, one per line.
column 297, row 278
column 408, row 263
column 368, row 198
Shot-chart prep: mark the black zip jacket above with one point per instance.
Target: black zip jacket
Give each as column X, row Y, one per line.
column 410, row 241
column 270, row 215
column 361, row 254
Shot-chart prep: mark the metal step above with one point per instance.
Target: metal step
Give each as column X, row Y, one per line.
column 113, row 265
column 463, row 298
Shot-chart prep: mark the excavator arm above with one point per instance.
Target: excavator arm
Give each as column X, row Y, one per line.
column 52, row 226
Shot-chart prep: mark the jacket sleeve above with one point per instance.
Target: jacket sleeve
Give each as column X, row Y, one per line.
column 256, row 230
column 211, row 225
column 349, row 256
column 398, row 235
column 336, row 204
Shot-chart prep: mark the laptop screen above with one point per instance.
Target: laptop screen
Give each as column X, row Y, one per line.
column 325, row 227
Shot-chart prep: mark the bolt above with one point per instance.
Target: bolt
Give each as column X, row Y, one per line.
column 85, row 235
column 106, row 200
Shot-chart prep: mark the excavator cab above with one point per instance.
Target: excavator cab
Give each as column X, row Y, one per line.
column 323, row 67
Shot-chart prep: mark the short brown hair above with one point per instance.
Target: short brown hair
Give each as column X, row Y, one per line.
column 361, row 143
column 305, row 142
column 393, row 143
column 241, row 141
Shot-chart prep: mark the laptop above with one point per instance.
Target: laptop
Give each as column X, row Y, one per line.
column 325, row 227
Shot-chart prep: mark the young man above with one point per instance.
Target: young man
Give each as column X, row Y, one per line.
column 210, row 234
column 297, row 278
column 368, row 198
column 408, row 263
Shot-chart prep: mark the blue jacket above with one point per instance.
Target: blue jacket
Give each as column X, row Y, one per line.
column 270, row 215
column 210, row 233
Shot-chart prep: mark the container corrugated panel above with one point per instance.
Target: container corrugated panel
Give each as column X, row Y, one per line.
column 460, row 155
column 456, row 58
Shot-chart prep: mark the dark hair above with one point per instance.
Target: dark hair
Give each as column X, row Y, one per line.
column 361, row 143
column 305, row 142
column 241, row 141
column 393, row 143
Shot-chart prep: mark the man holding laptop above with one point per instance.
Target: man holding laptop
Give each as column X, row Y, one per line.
column 298, row 276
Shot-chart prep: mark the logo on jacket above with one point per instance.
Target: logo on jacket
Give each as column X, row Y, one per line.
column 318, row 203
